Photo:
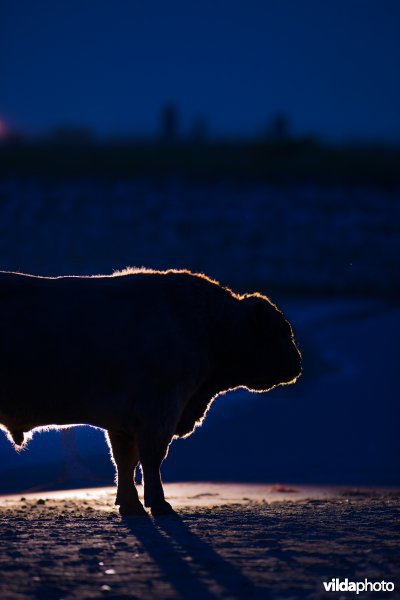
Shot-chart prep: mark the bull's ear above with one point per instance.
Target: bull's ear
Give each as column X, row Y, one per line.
column 257, row 309
column 263, row 313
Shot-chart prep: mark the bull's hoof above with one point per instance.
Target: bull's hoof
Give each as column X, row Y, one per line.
column 132, row 510
column 162, row 509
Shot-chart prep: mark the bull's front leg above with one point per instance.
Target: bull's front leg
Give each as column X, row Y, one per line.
column 153, row 449
column 125, row 454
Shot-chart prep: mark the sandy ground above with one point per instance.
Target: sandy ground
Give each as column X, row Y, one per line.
column 228, row 541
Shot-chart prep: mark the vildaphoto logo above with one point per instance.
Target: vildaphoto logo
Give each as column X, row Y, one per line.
column 344, row 585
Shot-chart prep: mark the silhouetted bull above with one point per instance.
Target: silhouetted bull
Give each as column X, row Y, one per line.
column 139, row 353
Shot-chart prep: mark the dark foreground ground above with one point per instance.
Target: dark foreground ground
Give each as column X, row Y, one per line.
column 228, row 541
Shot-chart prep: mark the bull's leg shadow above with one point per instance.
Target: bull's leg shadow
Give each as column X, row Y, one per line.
column 152, row 451
column 125, row 454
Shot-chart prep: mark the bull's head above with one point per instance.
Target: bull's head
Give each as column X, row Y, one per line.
column 272, row 354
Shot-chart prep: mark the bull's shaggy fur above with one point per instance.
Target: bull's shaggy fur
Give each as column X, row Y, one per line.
column 139, row 353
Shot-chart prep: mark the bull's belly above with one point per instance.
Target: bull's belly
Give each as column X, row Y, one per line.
column 114, row 396
column 31, row 404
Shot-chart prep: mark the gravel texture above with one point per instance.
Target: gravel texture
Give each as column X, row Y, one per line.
column 238, row 541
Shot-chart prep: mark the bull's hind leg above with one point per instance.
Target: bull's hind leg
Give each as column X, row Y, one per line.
column 152, row 451
column 126, row 458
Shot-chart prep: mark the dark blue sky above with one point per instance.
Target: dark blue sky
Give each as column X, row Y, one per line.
column 331, row 65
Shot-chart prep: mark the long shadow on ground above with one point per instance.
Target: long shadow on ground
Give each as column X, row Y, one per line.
column 188, row 563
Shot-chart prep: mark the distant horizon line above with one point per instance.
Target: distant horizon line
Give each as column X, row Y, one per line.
column 75, row 133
